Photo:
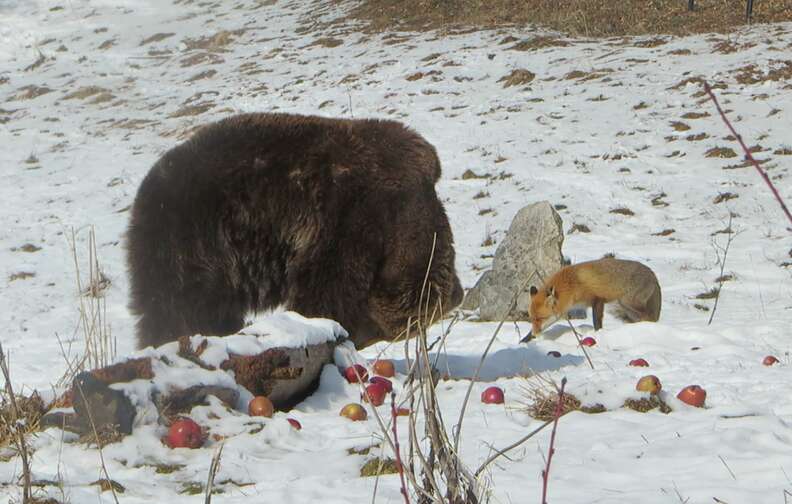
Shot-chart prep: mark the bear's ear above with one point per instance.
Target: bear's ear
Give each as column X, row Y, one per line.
column 551, row 297
column 533, row 290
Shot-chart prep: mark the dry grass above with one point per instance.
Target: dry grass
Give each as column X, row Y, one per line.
column 28, row 413
column 540, row 399
column 575, row 17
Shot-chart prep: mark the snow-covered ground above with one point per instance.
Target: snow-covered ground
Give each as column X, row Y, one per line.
column 93, row 91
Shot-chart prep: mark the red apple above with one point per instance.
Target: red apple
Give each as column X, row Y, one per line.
column 554, row 353
column 769, row 360
column 639, row 363
column 375, row 394
column 354, row 412
column 294, row 423
column 492, row 395
column 382, row 381
column 384, row 368
column 184, row 433
column 261, row 406
column 588, row 341
column 649, row 383
column 355, row 374
column 692, row 395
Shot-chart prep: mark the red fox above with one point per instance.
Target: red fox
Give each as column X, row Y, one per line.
column 633, row 285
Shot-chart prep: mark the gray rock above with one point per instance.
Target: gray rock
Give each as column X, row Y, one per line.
column 100, row 408
column 529, row 254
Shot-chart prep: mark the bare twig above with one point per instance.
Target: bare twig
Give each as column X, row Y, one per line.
column 748, row 155
column 213, row 468
column 580, row 343
column 397, row 452
column 22, row 447
column 503, row 451
column 551, row 449
column 722, row 261
column 727, row 468
column 473, row 380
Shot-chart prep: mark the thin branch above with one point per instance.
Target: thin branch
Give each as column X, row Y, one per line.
column 473, row 380
column 503, row 451
column 748, row 155
column 722, row 261
column 213, row 468
column 551, row 449
column 398, row 453
column 728, row 468
column 580, row 343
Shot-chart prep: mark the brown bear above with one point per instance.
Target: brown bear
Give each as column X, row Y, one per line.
column 334, row 218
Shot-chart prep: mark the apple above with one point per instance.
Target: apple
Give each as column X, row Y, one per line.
column 382, row 381
column 354, row 412
column 355, row 374
column 492, row 395
column 184, row 433
column 769, row 360
column 693, row 395
column 649, row 383
column 375, row 394
column 588, row 341
column 294, row 423
column 261, row 406
column 384, row 368
column 639, row 363
column 554, row 353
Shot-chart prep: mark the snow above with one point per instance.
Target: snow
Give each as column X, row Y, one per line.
column 596, row 142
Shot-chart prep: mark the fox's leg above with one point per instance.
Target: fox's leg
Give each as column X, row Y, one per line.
column 632, row 313
column 597, row 309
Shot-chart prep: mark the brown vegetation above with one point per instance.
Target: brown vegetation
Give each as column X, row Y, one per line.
column 575, row 17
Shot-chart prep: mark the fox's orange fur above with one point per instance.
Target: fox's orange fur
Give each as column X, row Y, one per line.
column 594, row 283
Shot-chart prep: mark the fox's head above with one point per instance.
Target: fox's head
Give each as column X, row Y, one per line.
column 543, row 308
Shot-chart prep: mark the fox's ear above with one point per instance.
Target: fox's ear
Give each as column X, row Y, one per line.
column 533, row 290
column 551, row 297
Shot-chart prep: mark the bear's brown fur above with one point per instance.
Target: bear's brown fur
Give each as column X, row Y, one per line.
column 328, row 217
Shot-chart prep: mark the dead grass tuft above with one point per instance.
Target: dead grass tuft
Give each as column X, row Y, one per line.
column 751, row 74
column 540, row 400
column 84, row 92
column 379, row 466
column 213, row 43
column 537, row 43
column 31, row 409
column 721, row 152
column 517, row 77
column 623, row 211
column 647, row 404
